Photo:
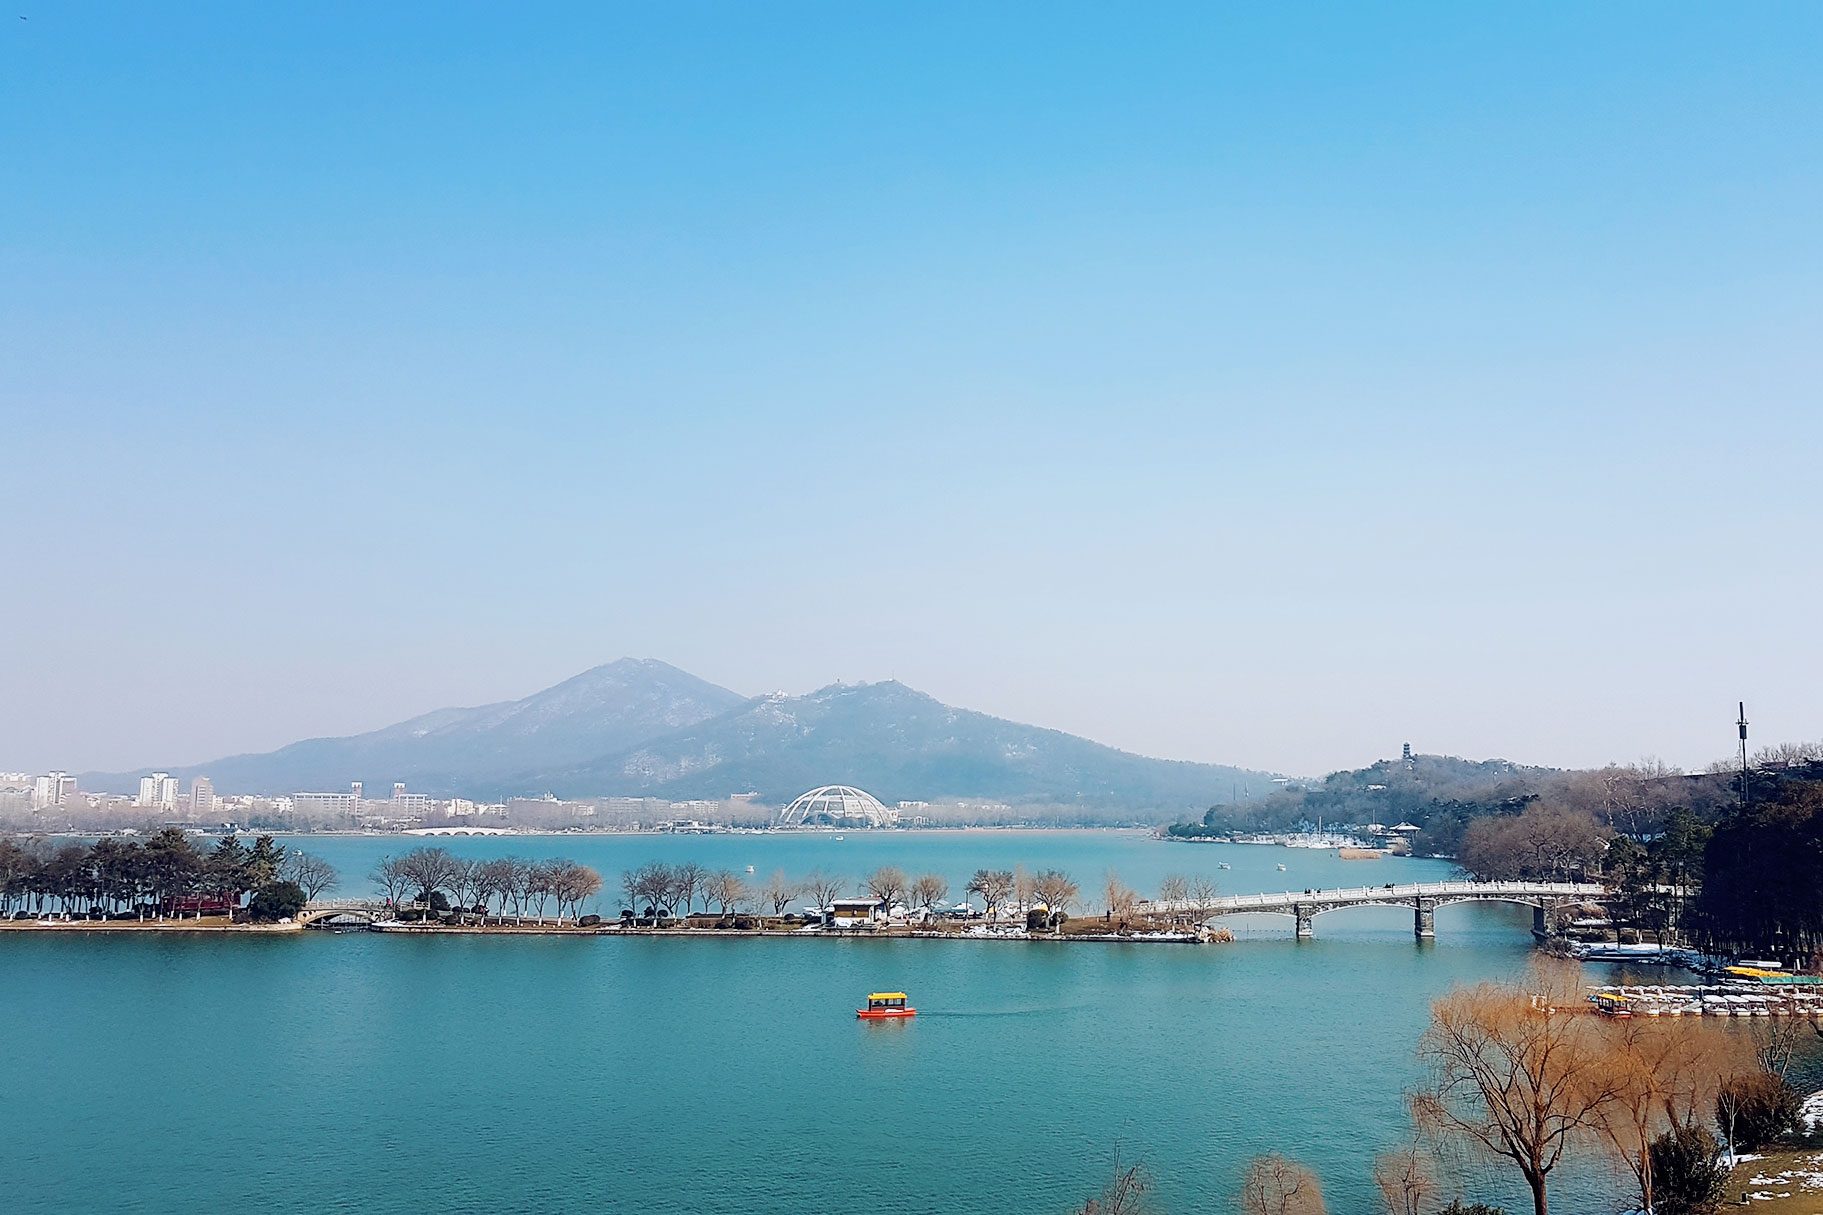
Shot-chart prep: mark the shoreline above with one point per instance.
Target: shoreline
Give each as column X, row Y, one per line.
column 779, row 832
column 597, row 930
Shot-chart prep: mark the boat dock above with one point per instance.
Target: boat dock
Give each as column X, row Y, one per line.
column 1717, row 1000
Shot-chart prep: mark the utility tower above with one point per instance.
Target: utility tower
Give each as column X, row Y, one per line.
column 1746, row 795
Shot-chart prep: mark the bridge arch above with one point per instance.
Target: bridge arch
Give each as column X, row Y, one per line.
column 365, row 912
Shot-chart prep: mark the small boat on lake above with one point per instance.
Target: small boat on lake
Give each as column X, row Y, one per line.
column 1611, row 1004
column 1225, row 865
column 885, row 1006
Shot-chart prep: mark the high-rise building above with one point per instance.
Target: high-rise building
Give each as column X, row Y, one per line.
column 398, row 790
column 202, row 796
column 159, row 790
column 53, row 790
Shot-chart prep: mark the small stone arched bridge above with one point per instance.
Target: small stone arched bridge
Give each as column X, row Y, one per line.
column 1422, row 897
column 368, row 910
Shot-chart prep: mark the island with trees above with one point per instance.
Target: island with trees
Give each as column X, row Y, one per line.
column 164, row 881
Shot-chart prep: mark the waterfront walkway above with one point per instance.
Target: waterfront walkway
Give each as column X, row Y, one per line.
column 1422, row 897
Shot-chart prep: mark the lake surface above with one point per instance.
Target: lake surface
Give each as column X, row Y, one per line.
column 384, row 1073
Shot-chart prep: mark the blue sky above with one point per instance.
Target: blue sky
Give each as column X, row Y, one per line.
column 1269, row 385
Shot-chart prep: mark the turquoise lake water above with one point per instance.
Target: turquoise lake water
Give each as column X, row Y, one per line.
column 368, row 1072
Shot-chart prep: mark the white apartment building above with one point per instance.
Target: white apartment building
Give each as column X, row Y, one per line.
column 52, row 790
column 159, row 790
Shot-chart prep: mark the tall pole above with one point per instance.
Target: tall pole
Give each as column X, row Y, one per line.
column 1746, row 795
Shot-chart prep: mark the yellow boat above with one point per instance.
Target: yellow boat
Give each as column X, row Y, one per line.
column 885, row 1006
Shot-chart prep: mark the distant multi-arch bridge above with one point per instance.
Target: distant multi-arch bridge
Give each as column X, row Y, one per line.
column 1422, row 897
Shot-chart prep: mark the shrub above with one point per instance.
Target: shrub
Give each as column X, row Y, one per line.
column 1473, row 1208
column 1756, row 1110
column 1688, row 1175
column 1037, row 920
column 275, row 901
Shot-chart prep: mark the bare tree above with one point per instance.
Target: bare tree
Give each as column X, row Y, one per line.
column 1545, row 842
column 466, row 883
column 1175, row 888
column 572, row 885
column 586, row 887
column 519, row 877
column 929, row 890
column 431, row 871
column 654, row 886
column 496, row 880
column 541, row 883
column 1275, row 1185
column 1056, row 891
column 887, row 885
column 312, row 873
column 1119, row 896
column 1125, row 1193
column 824, row 888
column 1518, row 1074
column 1774, row 1044
column 686, row 880
column 1025, row 888
column 1405, row 1181
column 1661, row 1078
column 993, row 885
column 726, row 890
column 779, row 892
column 391, row 876
column 1203, row 893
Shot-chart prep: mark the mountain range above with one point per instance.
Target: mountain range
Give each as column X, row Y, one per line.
column 640, row 727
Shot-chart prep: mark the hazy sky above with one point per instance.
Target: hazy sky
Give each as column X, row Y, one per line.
column 1259, row 384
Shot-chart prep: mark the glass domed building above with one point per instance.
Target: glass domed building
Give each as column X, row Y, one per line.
column 837, row 806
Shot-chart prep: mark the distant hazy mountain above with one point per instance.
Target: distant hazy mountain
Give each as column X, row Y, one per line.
column 898, row 744
column 457, row 752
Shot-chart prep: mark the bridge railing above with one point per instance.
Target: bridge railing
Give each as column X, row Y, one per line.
column 1395, row 893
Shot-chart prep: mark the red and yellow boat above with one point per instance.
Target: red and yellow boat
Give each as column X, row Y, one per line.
column 885, row 1006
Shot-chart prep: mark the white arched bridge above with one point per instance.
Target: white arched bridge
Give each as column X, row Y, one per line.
column 1422, row 897
column 366, row 910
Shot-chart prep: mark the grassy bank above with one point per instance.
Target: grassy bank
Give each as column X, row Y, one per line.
column 1782, row 1182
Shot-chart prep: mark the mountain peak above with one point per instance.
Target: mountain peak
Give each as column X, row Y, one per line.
column 642, row 726
column 459, row 751
column 899, row 744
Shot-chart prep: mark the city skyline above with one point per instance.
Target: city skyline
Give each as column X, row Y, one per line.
column 1244, row 386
